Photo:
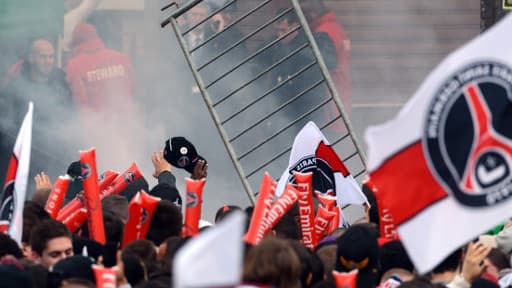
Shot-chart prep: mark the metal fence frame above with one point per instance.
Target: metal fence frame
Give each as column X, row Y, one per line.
column 172, row 19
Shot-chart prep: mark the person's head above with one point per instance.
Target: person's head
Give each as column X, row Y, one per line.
column 50, row 241
column 114, row 227
column 393, row 257
column 117, row 205
column 373, row 213
column 496, row 261
column 33, row 213
column 143, row 249
column 313, row 9
column 14, row 276
column 287, row 228
column 358, row 249
column 197, row 14
column 224, row 211
column 311, row 266
column 166, row 222
column 75, row 267
column 132, row 269
column 41, row 58
column 326, row 251
column 9, row 247
column 284, row 24
column 77, row 283
column 272, row 262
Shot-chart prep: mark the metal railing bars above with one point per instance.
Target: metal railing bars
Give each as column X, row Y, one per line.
column 279, row 108
column 238, row 20
column 243, row 40
column 286, row 127
column 207, row 17
column 283, row 129
column 294, row 52
column 268, row 92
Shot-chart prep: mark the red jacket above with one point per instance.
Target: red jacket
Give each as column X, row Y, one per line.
column 341, row 74
column 100, row 78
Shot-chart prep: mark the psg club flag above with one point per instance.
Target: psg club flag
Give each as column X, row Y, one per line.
column 16, row 180
column 311, row 152
column 443, row 165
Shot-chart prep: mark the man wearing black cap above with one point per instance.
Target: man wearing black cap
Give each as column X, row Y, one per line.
column 358, row 249
column 395, row 265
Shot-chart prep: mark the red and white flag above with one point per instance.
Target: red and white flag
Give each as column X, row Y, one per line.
column 16, row 180
column 311, row 152
column 443, row 166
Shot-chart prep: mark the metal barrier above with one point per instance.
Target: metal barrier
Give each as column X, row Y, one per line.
column 259, row 100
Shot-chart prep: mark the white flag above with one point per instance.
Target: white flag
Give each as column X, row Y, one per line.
column 214, row 258
column 443, row 165
column 311, row 152
column 15, row 187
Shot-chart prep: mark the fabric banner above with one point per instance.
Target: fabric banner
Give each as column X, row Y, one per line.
column 311, row 152
column 16, row 180
column 214, row 258
column 443, row 164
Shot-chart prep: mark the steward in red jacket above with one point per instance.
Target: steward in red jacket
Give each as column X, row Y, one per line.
column 100, row 78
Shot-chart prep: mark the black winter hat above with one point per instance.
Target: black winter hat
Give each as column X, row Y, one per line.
column 179, row 152
column 76, row 266
column 393, row 255
column 13, row 276
column 358, row 249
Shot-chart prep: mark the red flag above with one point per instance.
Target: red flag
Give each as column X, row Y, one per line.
column 443, row 165
column 92, row 196
column 261, row 208
column 141, row 211
column 56, row 197
column 15, row 187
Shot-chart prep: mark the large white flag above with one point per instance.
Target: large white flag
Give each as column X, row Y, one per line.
column 311, row 152
column 443, row 165
column 15, row 187
column 214, row 257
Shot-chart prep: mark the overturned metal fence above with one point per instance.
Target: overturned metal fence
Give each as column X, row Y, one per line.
column 256, row 110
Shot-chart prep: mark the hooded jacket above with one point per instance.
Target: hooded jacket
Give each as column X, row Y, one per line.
column 100, row 78
column 341, row 73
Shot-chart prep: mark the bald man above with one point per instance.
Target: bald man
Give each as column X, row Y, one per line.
column 37, row 80
column 41, row 60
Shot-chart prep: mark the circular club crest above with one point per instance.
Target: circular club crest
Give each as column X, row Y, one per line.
column 183, row 161
column 129, row 177
column 86, row 170
column 191, row 199
column 467, row 137
column 323, row 177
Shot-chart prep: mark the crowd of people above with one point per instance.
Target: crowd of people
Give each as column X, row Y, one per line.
column 51, row 255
